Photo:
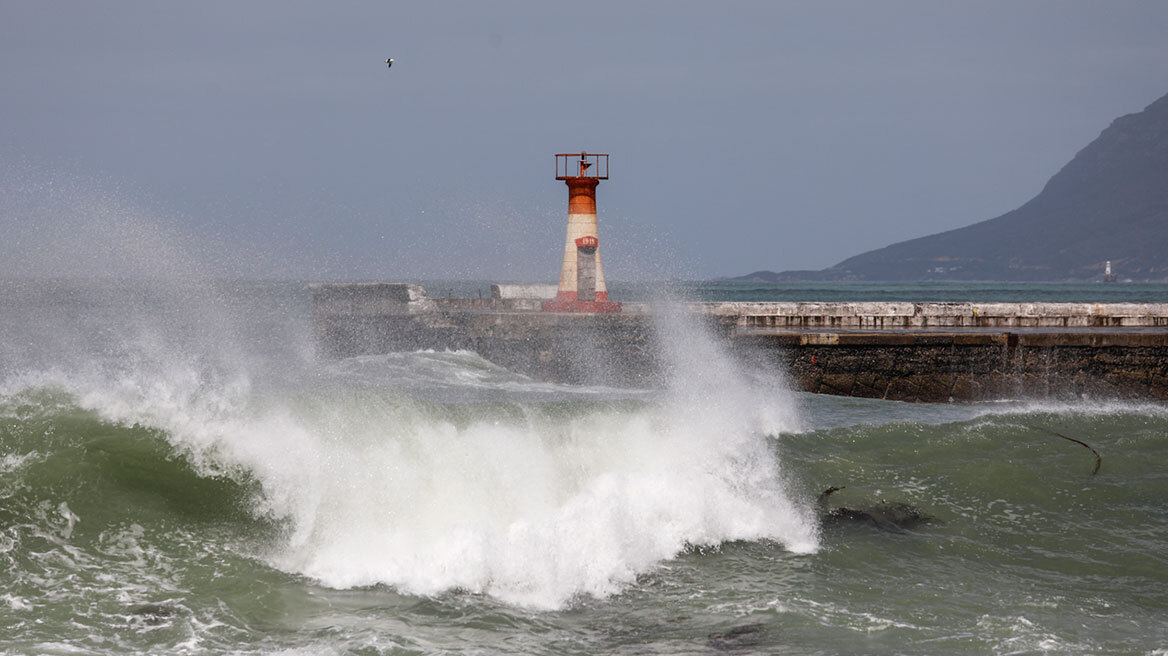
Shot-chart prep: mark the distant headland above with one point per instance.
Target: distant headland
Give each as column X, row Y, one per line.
column 1108, row 204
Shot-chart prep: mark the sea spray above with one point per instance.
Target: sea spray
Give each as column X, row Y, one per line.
column 535, row 502
column 448, row 473
column 537, row 508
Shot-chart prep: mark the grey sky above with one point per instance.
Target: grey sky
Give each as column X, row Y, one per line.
column 269, row 138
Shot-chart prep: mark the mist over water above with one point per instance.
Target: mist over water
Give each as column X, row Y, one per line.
column 427, row 472
column 180, row 473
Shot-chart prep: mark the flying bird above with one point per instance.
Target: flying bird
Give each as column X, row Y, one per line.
column 389, row 62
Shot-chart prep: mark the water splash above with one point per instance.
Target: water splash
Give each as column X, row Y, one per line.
column 545, row 494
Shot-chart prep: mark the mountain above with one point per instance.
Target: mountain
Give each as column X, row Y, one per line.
column 1110, row 202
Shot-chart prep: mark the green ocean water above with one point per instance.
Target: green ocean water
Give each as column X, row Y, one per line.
column 179, row 474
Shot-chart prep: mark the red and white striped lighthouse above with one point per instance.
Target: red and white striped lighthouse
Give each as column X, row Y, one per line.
column 582, row 287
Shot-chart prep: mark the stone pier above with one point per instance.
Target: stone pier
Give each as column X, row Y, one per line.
column 900, row 351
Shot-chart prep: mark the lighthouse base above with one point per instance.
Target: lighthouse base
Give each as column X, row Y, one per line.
column 567, row 302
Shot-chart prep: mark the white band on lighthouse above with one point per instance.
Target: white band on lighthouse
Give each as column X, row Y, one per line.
column 579, row 225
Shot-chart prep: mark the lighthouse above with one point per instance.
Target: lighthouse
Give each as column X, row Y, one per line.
column 582, row 287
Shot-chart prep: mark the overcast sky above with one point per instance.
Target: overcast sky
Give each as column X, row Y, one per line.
column 270, row 139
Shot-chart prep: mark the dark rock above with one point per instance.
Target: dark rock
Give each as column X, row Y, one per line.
column 153, row 614
column 895, row 517
column 739, row 637
column 892, row 517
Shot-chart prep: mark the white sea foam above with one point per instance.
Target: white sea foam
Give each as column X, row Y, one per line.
column 16, row 603
column 11, row 462
column 1019, row 635
column 539, row 512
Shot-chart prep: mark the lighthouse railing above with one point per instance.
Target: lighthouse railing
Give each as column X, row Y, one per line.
column 568, row 165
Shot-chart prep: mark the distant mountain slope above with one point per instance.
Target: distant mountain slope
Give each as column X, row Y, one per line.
column 1109, row 203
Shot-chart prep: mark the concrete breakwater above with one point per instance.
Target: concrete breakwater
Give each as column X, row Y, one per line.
column 902, row 351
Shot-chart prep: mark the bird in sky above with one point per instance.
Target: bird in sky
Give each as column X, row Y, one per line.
column 389, row 62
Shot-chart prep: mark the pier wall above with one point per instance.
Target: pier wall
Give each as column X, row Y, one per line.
column 971, row 366
column 901, row 351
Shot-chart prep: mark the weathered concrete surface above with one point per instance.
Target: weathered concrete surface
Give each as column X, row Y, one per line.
column 369, row 298
column 888, row 316
column 528, row 292
column 901, row 351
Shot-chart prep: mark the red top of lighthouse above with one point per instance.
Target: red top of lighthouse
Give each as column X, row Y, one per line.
column 581, row 165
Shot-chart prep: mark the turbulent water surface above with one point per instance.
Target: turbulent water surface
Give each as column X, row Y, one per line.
column 178, row 473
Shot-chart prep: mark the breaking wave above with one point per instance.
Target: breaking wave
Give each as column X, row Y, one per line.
column 427, row 471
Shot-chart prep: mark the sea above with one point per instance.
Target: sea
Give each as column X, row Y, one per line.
column 181, row 474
